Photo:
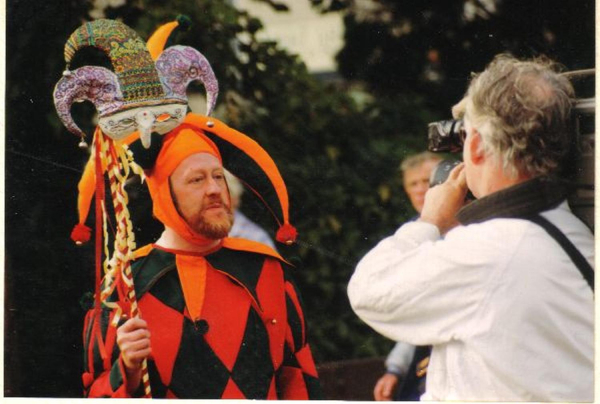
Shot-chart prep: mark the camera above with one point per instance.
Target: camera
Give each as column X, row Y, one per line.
column 446, row 136
column 441, row 172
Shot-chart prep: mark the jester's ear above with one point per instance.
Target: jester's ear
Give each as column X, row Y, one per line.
column 146, row 158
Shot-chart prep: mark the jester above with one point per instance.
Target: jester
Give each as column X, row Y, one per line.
column 196, row 314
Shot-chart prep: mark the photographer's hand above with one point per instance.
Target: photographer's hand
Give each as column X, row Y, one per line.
column 443, row 201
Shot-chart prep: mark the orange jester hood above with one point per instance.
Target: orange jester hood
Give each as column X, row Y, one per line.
column 238, row 153
column 177, row 145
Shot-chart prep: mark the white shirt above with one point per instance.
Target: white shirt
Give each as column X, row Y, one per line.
column 508, row 313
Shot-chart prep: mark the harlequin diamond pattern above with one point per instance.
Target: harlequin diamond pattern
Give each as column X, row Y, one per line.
column 199, row 373
column 253, row 370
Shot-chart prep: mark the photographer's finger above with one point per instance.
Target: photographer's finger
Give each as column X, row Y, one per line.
column 456, row 172
column 462, row 178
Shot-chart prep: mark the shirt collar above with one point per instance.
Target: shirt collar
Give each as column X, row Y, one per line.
column 524, row 199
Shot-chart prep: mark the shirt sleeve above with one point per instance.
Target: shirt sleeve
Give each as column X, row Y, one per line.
column 297, row 378
column 418, row 288
column 399, row 359
column 104, row 372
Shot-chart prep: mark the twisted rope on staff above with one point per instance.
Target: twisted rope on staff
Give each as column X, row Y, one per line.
column 118, row 267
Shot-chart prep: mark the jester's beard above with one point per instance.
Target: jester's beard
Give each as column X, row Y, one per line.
column 146, row 119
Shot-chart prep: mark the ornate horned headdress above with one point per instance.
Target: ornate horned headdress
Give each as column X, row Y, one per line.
column 141, row 94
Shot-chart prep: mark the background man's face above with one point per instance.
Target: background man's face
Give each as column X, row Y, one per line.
column 201, row 197
column 416, row 183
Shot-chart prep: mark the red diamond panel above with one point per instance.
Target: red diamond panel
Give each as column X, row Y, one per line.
column 271, row 295
column 164, row 344
column 226, row 310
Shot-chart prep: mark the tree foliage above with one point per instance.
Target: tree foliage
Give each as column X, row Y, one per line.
column 432, row 46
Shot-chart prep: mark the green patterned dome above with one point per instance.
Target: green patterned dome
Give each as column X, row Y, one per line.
column 131, row 60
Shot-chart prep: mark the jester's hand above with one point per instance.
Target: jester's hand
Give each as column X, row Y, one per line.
column 133, row 339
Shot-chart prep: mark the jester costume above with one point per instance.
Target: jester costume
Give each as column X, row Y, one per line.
column 224, row 323
column 249, row 340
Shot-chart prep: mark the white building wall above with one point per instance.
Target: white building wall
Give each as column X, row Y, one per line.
column 315, row 37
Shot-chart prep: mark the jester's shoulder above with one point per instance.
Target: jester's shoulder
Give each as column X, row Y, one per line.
column 237, row 257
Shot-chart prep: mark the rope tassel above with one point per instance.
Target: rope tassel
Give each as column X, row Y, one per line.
column 117, row 270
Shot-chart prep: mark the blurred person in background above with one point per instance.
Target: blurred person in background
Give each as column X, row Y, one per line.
column 242, row 226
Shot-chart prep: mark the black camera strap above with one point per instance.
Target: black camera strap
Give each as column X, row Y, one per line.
column 525, row 201
column 578, row 259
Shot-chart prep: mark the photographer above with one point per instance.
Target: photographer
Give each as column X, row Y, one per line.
column 506, row 299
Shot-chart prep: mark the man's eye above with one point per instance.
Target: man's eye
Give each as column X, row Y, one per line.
column 196, row 179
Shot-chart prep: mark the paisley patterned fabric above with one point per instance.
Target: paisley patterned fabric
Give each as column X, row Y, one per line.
column 88, row 83
column 178, row 66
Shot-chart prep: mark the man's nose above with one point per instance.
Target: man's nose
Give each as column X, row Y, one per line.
column 423, row 187
column 213, row 186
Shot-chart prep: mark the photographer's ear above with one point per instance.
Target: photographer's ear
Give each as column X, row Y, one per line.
column 474, row 145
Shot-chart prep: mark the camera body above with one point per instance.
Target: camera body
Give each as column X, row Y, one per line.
column 446, row 136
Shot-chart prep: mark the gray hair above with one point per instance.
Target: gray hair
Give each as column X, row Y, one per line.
column 522, row 111
column 415, row 160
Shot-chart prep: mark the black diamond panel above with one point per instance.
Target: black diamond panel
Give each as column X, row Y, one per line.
column 198, row 372
column 313, row 386
column 98, row 363
column 253, row 369
column 169, row 292
column 159, row 390
column 294, row 322
column 289, row 359
column 115, row 378
column 244, row 266
column 146, row 270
